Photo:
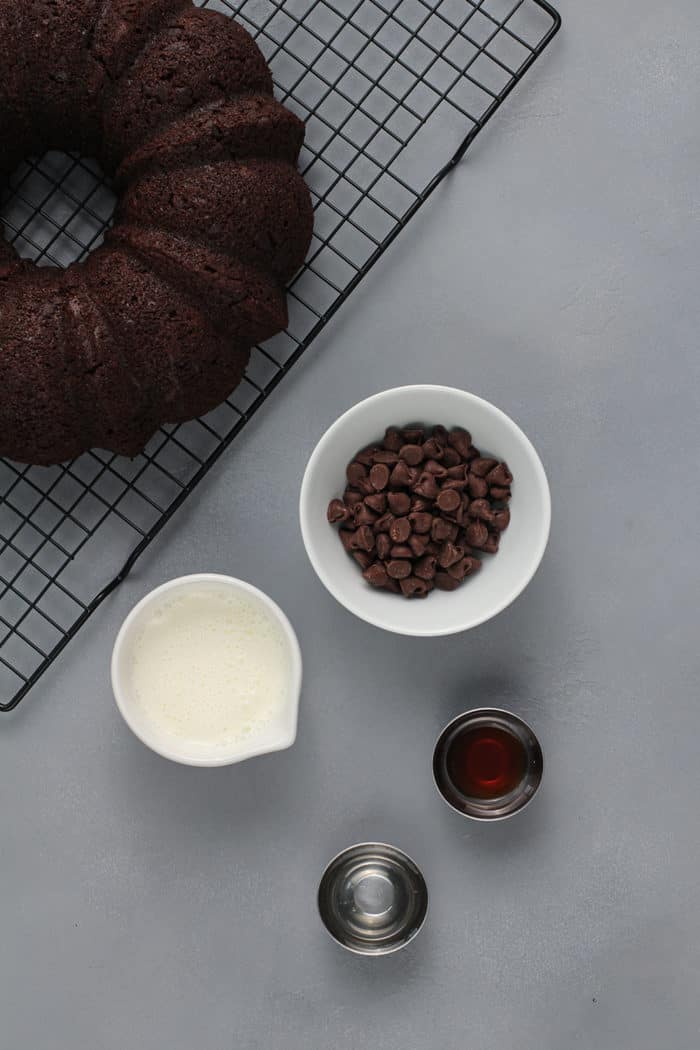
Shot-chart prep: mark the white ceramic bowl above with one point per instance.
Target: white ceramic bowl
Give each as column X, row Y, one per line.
column 503, row 576
column 276, row 736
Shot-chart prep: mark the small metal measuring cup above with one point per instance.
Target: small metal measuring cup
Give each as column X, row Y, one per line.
column 372, row 899
column 501, row 806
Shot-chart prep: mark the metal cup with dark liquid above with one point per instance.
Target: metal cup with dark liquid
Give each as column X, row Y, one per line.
column 487, row 764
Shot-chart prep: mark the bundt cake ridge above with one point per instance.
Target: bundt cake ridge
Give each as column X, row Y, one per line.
column 238, row 128
column 241, row 300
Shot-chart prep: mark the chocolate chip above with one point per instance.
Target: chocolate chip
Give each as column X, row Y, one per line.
column 363, row 558
column 412, row 454
column 363, row 539
column 500, row 475
column 399, row 569
column 417, row 545
column 440, row 530
column 498, row 493
column 426, row 486
column 383, row 546
column 379, row 476
column 435, row 468
column 337, row 511
column 460, row 440
column 476, row 534
column 425, row 567
column 459, row 482
column 433, row 548
column 420, row 521
column 347, row 538
column 456, row 516
column 366, row 456
column 399, row 502
column 400, row 476
column 448, row 500
column 451, row 457
column 458, row 473
column 363, row 514
column 413, row 435
column 401, row 550
column 432, row 449
column 415, row 588
column 365, row 486
column 471, row 565
column 501, row 519
column 481, row 509
column 355, row 472
column 400, row 530
column 419, row 504
column 351, row 497
column 384, row 456
column 377, row 502
column 455, row 485
column 440, row 435
column 491, row 545
column 393, row 439
column 481, row 466
column 463, row 568
column 376, row 575
column 444, row 582
column 384, row 523
column 449, row 555
column 458, row 570
column 478, row 487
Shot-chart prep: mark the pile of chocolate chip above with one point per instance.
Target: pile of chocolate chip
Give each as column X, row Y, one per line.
column 418, row 506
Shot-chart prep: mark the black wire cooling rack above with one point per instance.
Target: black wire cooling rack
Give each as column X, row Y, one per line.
column 393, row 92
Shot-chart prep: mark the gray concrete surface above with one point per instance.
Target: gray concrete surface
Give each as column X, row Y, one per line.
column 150, row 906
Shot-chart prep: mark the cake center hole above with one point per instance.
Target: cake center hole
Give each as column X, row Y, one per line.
column 55, row 209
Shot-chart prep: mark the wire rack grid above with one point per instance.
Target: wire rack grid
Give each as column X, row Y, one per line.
column 393, row 92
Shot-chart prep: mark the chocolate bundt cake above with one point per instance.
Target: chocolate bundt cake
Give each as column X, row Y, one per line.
column 213, row 220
